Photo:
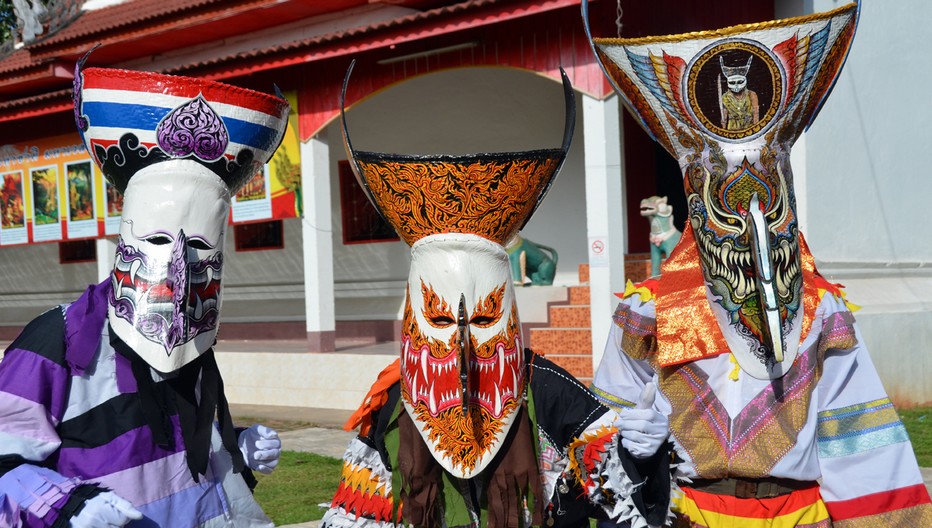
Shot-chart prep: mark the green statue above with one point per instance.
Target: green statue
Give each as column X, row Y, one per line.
column 530, row 262
column 663, row 234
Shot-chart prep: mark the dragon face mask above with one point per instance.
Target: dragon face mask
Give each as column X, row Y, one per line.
column 728, row 104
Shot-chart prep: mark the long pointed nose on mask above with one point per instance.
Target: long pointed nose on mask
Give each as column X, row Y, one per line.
column 462, row 337
column 764, row 274
column 177, row 280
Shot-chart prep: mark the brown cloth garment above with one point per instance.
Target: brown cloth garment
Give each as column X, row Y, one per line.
column 508, row 478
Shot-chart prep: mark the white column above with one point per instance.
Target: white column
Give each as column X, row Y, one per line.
column 317, row 234
column 605, row 213
column 800, row 187
column 106, row 250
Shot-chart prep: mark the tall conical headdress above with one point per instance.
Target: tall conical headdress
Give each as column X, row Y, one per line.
column 134, row 119
column 491, row 195
column 178, row 148
column 463, row 369
column 733, row 149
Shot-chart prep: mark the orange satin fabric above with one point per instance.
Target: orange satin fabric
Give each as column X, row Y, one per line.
column 375, row 399
column 686, row 328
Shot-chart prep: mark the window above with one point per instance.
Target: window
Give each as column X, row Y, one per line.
column 259, row 235
column 361, row 222
column 74, row 251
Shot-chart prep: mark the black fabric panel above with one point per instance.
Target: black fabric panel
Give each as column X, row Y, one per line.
column 44, row 335
column 571, row 509
column 10, row 462
column 380, row 424
column 74, row 505
column 651, row 478
column 250, row 478
column 564, row 407
column 103, row 423
column 153, row 401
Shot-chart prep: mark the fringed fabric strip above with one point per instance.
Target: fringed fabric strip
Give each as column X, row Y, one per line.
column 596, row 466
column 365, row 486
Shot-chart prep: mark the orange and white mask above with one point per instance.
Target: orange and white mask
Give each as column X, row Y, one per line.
column 462, row 359
column 463, row 367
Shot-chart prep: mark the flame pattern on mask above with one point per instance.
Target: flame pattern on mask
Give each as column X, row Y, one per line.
column 431, row 378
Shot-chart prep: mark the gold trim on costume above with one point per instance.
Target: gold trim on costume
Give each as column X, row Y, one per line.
column 686, row 327
column 727, row 31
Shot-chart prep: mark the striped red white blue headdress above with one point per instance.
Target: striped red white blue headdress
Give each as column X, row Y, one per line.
column 131, row 119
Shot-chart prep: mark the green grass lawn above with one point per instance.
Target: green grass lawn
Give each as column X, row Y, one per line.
column 918, row 423
column 301, row 481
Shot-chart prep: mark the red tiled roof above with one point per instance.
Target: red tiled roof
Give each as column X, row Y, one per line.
column 137, row 18
column 19, row 59
column 505, row 10
column 121, row 15
column 340, row 35
column 126, row 17
column 49, row 102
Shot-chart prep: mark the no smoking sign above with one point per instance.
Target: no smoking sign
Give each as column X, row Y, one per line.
column 598, row 251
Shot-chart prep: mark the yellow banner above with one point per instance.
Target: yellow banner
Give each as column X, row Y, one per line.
column 275, row 192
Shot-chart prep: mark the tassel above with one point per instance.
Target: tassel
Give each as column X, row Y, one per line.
column 421, row 475
column 515, row 478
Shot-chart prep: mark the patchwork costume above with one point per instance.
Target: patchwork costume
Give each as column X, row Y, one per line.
column 468, row 428
column 775, row 407
column 107, row 404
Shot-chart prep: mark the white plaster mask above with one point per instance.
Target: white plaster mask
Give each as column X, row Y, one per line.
column 165, row 301
column 463, row 368
column 736, row 83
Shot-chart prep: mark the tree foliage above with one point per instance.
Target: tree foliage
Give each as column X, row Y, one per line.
column 7, row 20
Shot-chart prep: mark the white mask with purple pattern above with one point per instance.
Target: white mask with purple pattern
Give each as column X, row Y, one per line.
column 165, row 302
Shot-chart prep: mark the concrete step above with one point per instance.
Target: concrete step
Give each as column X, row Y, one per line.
column 569, row 316
column 637, row 267
column 567, row 341
column 578, row 295
column 580, row 366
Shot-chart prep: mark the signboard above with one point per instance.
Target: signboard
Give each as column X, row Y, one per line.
column 13, row 209
column 275, row 192
column 49, row 193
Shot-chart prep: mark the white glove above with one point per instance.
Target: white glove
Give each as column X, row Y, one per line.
column 261, row 448
column 643, row 429
column 105, row 510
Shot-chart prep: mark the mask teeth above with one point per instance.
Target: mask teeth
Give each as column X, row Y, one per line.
column 178, row 281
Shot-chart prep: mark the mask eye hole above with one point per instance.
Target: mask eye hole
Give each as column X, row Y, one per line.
column 483, row 321
column 197, row 243
column 441, row 321
column 159, row 240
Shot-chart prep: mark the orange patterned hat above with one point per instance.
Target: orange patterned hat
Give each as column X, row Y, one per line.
column 491, row 195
